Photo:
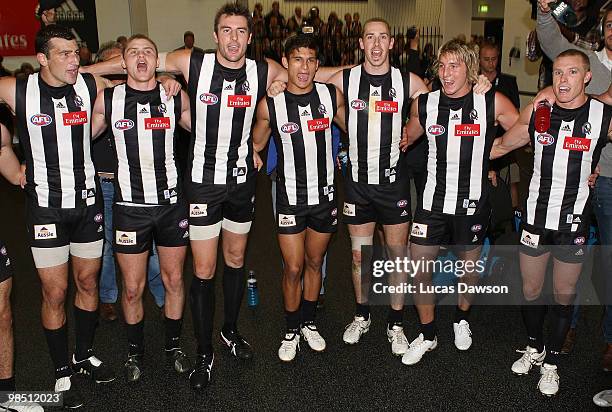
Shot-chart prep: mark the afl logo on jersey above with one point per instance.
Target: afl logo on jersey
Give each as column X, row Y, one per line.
column 545, row 139
column 41, row 120
column 290, row 128
column 124, row 124
column 209, row 98
column 436, row 130
column 358, row 104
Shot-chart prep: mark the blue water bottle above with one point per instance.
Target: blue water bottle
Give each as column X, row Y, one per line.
column 343, row 157
column 252, row 292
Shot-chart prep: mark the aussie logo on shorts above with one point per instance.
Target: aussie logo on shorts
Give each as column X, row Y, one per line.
column 198, row 209
column 418, row 230
column 286, row 220
column 45, row 232
column 349, row 209
column 125, row 238
column 530, row 239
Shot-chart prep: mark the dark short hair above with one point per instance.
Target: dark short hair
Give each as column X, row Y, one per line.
column 307, row 41
column 143, row 37
column 187, row 34
column 234, row 9
column 488, row 44
column 44, row 36
column 576, row 53
column 376, row 20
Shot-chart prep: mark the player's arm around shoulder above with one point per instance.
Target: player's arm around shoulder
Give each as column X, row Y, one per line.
column 515, row 137
column 98, row 116
column 340, row 117
column 413, row 128
column 262, row 129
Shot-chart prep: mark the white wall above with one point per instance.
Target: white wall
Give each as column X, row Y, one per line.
column 113, row 19
column 456, row 18
column 517, row 26
column 478, row 27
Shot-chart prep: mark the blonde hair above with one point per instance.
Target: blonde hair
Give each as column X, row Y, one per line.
column 464, row 52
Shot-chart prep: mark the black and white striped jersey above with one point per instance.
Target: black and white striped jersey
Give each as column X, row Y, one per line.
column 564, row 157
column 301, row 126
column 460, row 133
column 223, row 103
column 377, row 107
column 143, row 124
column 54, row 126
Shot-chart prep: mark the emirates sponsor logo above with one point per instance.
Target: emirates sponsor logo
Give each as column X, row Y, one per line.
column 467, row 130
column 384, row 106
column 317, row 125
column 578, row 144
column 157, row 123
column 239, row 100
column 436, row 130
column 74, row 118
column 124, row 124
column 41, row 120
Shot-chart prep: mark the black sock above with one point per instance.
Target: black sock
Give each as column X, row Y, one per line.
column 234, row 283
column 461, row 314
column 293, row 321
column 135, row 334
column 202, row 298
column 85, row 328
column 7, row 385
column 395, row 317
column 363, row 310
column 534, row 315
column 309, row 311
column 429, row 330
column 57, row 341
column 173, row 333
column 561, row 321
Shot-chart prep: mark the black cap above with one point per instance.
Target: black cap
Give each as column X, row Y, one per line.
column 47, row 5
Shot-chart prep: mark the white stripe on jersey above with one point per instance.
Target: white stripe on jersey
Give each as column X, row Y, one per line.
column 326, row 100
column 171, row 170
column 374, row 122
column 534, row 185
column 224, row 134
column 123, row 166
column 64, row 153
column 145, row 154
column 353, row 93
column 398, row 84
column 243, row 150
column 480, row 105
column 433, row 100
column 596, row 109
column 559, row 176
column 287, row 142
column 36, row 141
column 197, row 168
column 310, row 156
column 453, row 157
column 90, row 171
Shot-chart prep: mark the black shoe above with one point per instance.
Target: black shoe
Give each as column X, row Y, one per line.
column 93, row 367
column 236, row 344
column 71, row 397
column 180, row 361
column 199, row 378
column 133, row 368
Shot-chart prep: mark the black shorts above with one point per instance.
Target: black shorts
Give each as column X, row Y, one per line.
column 210, row 204
column 54, row 227
column 462, row 233
column 135, row 227
column 322, row 218
column 568, row 247
column 6, row 270
column 387, row 204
